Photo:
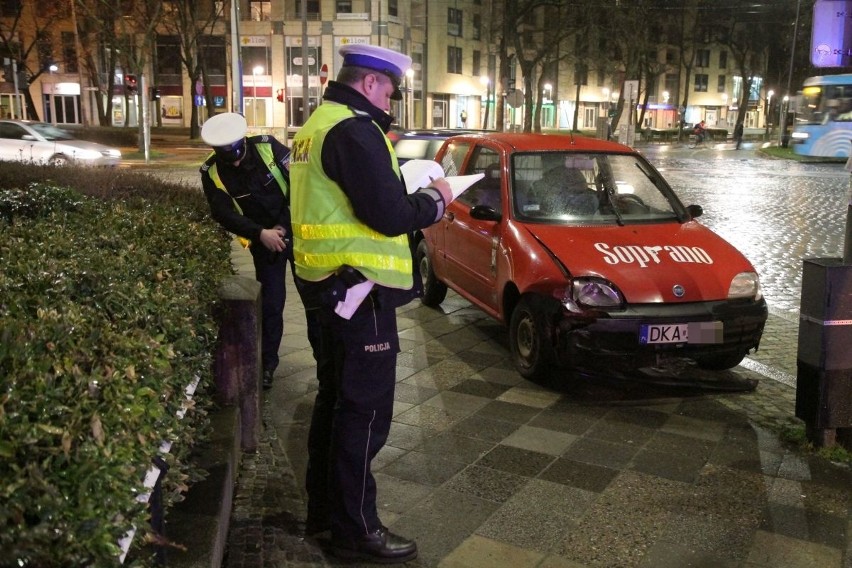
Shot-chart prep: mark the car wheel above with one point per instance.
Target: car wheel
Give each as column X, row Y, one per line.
column 720, row 362
column 58, row 160
column 434, row 291
column 530, row 341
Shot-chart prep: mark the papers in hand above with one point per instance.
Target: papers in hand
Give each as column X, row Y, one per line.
column 420, row 173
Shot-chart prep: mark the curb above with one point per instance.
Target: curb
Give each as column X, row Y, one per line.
column 200, row 523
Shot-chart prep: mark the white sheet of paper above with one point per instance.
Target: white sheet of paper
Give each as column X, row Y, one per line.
column 420, row 173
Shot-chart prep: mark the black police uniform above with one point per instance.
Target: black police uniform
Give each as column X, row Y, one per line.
column 263, row 206
column 352, row 414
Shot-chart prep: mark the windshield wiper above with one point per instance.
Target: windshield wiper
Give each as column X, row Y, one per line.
column 610, row 195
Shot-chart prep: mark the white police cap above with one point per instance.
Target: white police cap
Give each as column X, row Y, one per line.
column 224, row 129
column 387, row 61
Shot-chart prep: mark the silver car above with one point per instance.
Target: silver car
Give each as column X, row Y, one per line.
column 41, row 143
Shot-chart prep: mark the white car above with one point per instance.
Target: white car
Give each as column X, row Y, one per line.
column 41, row 143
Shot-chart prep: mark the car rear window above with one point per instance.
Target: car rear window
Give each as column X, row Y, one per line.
column 417, row 149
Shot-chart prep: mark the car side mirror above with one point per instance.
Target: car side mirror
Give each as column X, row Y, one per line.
column 485, row 213
column 28, row 137
column 694, row 211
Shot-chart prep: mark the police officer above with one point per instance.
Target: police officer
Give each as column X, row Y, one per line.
column 351, row 223
column 246, row 182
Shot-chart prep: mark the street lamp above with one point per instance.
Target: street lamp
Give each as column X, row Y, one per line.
column 409, row 74
column 258, row 70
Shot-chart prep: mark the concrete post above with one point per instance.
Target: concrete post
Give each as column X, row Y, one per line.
column 237, row 363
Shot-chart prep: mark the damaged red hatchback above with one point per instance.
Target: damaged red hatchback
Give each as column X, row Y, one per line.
column 585, row 252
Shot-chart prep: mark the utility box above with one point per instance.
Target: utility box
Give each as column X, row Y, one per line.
column 824, row 363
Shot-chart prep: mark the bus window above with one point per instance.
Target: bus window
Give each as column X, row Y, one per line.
column 824, row 117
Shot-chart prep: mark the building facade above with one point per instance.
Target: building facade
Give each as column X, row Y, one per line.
column 270, row 59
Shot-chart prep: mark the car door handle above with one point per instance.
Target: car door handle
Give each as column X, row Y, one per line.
column 449, row 216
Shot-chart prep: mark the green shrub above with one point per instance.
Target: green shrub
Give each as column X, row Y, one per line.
column 105, row 316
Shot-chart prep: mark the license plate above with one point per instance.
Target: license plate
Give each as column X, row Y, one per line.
column 695, row 332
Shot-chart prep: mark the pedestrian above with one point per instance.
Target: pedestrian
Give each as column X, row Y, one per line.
column 246, row 182
column 738, row 134
column 463, row 118
column 351, row 223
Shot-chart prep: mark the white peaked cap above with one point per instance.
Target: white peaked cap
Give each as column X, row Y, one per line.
column 224, row 129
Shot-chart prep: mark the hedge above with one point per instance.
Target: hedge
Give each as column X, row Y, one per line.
column 107, row 298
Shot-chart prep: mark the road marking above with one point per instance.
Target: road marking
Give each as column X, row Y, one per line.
column 769, row 372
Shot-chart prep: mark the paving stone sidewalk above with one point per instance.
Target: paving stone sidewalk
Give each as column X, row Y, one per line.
column 485, row 469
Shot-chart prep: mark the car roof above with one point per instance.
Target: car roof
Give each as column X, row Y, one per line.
column 521, row 142
column 437, row 132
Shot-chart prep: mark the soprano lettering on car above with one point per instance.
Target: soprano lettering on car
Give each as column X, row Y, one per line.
column 645, row 255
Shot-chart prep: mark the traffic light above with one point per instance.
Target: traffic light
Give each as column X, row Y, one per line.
column 130, row 84
column 154, row 94
column 280, row 95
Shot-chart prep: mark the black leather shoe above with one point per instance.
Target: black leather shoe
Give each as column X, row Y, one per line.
column 381, row 546
column 267, row 379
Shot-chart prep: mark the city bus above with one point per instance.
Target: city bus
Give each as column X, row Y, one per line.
column 823, row 124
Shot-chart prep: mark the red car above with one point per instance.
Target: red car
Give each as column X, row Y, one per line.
column 585, row 252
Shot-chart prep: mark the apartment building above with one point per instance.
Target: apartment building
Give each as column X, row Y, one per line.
column 269, row 58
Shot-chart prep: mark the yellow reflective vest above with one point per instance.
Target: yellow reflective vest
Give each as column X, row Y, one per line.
column 326, row 232
column 268, row 157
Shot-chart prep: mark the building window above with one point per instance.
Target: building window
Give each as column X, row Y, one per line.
column 701, row 83
column 671, row 86
column 260, row 11
column 454, row 59
column 454, row 22
column 723, row 60
column 671, row 56
column 213, row 50
column 9, row 7
column 393, row 8
column 477, row 26
column 313, row 9
column 69, row 52
column 720, row 85
column 477, row 63
column 344, row 7
column 168, row 56
column 702, row 58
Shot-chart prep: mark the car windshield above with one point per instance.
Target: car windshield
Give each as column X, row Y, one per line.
column 570, row 187
column 50, row 132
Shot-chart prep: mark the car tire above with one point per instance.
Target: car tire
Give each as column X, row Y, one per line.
column 530, row 334
column 58, row 160
column 720, row 362
column 434, row 291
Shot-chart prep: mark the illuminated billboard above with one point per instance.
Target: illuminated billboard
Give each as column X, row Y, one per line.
column 831, row 39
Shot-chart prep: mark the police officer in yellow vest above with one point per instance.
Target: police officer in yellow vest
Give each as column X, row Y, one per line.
column 246, row 182
column 351, row 223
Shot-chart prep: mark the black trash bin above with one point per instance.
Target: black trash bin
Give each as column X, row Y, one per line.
column 824, row 363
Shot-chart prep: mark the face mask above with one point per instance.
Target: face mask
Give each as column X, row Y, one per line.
column 232, row 153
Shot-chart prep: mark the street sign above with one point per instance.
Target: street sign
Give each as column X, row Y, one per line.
column 515, row 98
column 323, row 73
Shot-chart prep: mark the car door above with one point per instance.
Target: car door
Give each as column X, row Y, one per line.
column 470, row 244
column 13, row 147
